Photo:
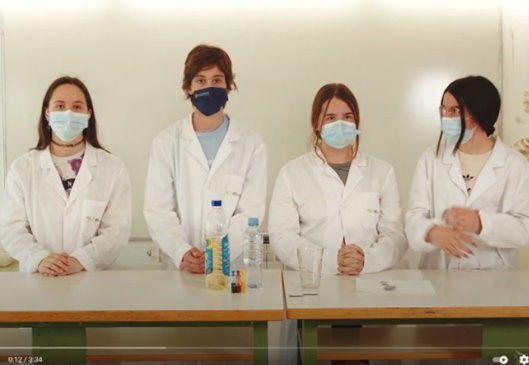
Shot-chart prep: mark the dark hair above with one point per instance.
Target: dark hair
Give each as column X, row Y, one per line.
column 479, row 97
column 90, row 133
column 324, row 94
column 203, row 57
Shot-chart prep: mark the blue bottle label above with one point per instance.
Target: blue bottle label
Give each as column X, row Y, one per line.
column 209, row 258
column 225, row 256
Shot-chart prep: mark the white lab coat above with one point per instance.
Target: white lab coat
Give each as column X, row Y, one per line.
column 180, row 186
column 500, row 194
column 37, row 217
column 311, row 206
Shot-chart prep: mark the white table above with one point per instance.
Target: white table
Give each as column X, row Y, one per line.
column 499, row 300
column 59, row 309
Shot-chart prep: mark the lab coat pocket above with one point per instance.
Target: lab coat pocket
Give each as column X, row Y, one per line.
column 92, row 215
column 369, row 206
column 232, row 193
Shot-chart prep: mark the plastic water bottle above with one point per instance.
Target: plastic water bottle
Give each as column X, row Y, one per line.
column 253, row 254
column 217, row 248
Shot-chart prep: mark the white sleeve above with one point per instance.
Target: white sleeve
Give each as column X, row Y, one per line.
column 419, row 215
column 284, row 229
column 160, row 205
column 509, row 228
column 252, row 201
column 15, row 230
column 391, row 243
column 114, row 229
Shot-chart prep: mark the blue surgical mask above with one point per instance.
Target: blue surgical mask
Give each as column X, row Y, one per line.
column 210, row 100
column 67, row 125
column 339, row 134
column 451, row 128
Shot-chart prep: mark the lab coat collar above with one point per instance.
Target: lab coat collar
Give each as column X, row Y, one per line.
column 46, row 161
column 317, row 156
column 497, row 157
column 83, row 178
column 233, row 133
column 195, row 149
column 486, row 177
column 456, row 176
column 232, row 136
column 355, row 172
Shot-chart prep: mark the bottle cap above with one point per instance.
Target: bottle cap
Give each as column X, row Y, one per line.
column 216, row 203
column 253, row 222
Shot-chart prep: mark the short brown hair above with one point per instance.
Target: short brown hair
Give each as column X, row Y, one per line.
column 203, row 57
column 325, row 94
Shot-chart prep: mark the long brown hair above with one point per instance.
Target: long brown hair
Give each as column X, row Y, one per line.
column 325, row 94
column 90, row 133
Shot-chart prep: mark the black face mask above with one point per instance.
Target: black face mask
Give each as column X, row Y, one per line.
column 210, row 100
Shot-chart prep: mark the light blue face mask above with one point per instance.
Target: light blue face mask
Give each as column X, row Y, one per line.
column 451, row 128
column 67, row 125
column 339, row 134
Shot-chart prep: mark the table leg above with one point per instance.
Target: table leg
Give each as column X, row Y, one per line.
column 60, row 344
column 511, row 340
column 309, row 342
column 260, row 343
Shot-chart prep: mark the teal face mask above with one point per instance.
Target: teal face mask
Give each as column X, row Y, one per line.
column 339, row 134
column 451, row 128
column 67, row 125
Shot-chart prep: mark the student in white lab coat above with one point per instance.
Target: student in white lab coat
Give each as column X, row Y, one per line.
column 338, row 197
column 206, row 155
column 469, row 199
column 67, row 202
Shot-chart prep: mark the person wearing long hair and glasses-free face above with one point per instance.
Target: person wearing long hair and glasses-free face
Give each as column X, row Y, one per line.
column 67, row 202
column 203, row 157
column 469, row 199
column 338, row 197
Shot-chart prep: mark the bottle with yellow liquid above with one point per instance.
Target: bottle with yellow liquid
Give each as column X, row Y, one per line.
column 217, row 248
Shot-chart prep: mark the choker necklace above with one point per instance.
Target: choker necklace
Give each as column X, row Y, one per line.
column 67, row 145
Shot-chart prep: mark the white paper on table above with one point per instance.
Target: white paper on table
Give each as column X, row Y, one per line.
column 401, row 286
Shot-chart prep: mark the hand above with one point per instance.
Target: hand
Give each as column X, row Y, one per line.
column 74, row 266
column 463, row 219
column 452, row 241
column 193, row 261
column 350, row 260
column 54, row 265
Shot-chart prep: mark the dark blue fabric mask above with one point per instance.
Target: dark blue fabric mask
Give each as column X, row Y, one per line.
column 210, row 100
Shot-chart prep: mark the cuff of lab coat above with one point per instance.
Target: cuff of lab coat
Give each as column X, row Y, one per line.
column 179, row 254
column 32, row 264
column 330, row 261
column 370, row 264
column 85, row 260
column 486, row 225
column 423, row 245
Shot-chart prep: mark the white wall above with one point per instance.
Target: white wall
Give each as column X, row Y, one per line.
column 516, row 80
column 396, row 56
column 515, row 71
column 3, row 157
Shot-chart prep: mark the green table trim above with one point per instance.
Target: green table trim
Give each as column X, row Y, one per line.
column 65, row 343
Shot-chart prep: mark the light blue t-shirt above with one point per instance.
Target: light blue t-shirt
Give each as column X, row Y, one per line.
column 211, row 141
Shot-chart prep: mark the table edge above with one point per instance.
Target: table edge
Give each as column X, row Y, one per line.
column 408, row 313
column 142, row 316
